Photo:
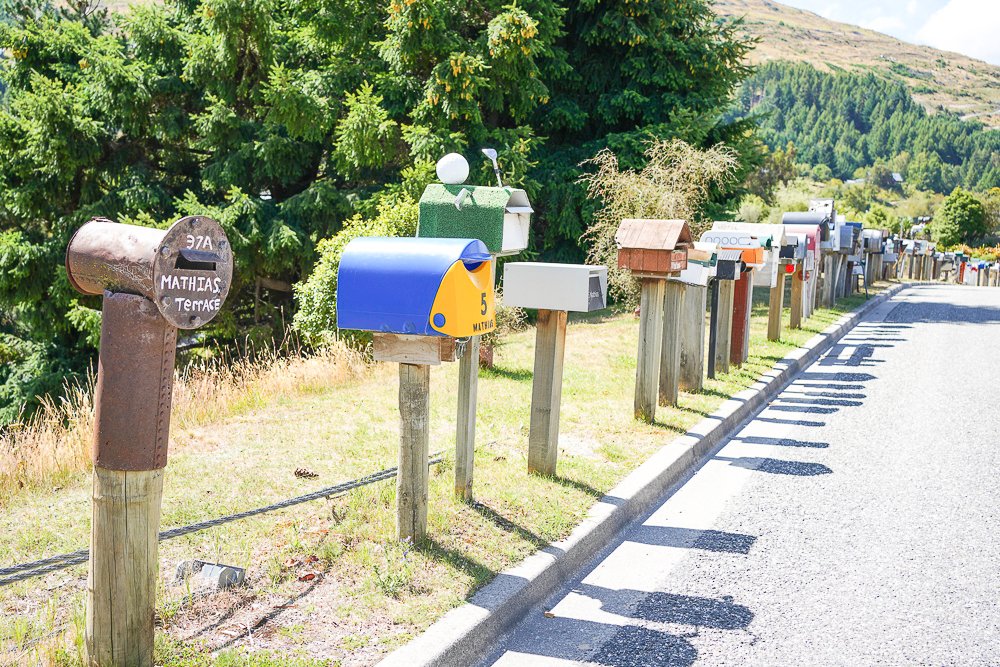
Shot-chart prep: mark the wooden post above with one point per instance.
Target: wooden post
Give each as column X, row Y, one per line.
column 830, row 280
column 647, row 372
column 124, row 564
column 670, row 359
column 414, row 436
column 692, row 339
column 465, row 437
column 797, row 296
column 546, row 391
column 724, row 326
column 741, row 318
column 775, row 307
column 131, row 430
column 843, row 278
column 465, row 433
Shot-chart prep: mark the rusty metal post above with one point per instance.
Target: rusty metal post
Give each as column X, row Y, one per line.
column 741, row 318
column 153, row 282
column 132, row 421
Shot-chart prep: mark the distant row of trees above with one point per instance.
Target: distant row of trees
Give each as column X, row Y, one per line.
column 848, row 121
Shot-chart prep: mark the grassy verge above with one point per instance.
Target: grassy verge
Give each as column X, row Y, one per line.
column 326, row 583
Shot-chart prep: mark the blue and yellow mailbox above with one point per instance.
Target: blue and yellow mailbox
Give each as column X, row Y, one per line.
column 416, row 286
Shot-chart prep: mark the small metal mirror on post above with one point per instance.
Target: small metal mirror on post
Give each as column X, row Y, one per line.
column 552, row 289
column 153, row 282
column 654, row 250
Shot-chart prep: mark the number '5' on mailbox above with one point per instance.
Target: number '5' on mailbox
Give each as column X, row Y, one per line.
column 416, row 286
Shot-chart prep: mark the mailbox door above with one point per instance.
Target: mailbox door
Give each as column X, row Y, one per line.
column 464, row 304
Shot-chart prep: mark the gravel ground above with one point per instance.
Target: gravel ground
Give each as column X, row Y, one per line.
column 854, row 521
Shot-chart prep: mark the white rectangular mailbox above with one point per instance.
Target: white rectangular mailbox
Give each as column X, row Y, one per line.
column 575, row 287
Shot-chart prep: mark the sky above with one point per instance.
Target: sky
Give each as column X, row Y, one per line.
column 970, row 27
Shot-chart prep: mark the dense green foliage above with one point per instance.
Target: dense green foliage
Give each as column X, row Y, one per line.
column 283, row 120
column 960, row 219
column 854, row 121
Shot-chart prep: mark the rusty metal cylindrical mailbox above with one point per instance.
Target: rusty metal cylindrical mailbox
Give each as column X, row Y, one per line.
column 153, row 282
column 185, row 270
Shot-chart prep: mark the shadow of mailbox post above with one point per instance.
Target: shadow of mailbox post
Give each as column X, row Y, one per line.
column 153, row 282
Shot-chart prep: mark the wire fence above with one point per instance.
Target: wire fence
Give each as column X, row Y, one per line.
column 15, row 573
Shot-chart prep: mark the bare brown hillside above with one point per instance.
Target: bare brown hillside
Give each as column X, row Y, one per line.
column 938, row 79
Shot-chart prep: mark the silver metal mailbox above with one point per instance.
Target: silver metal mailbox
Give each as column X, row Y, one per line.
column 544, row 286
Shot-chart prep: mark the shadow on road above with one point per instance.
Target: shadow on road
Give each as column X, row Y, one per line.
column 778, row 466
column 780, row 442
column 690, row 538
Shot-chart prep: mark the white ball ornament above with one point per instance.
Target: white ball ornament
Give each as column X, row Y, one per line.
column 453, row 169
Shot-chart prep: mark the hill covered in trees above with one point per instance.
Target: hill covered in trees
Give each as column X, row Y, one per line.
column 938, row 80
column 850, row 121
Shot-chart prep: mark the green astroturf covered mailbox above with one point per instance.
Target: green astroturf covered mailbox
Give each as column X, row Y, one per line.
column 497, row 216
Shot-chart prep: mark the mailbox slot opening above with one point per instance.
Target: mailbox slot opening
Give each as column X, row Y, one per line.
column 196, row 260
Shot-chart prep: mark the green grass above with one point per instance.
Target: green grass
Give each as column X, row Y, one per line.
column 371, row 593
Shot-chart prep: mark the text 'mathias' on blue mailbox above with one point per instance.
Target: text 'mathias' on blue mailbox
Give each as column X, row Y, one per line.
column 416, row 286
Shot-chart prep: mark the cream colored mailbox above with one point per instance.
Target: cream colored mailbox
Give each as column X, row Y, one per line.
column 552, row 289
column 771, row 238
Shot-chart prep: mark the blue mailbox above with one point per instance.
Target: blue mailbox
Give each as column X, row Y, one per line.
column 417, row 286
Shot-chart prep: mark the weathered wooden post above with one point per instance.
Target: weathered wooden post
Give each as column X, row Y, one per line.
column 422, row 298
column 652, row 250
column 153, row 282
column 795, row 318
column 742, row 307
column 702, row 260
column 670, row 352
column 727, row 268
column 553, row 290
column 500, row 217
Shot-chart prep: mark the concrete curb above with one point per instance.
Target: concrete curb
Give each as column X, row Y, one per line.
column 466, row 634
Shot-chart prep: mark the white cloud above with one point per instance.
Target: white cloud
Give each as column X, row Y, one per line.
column 965, row 26
column 891, row 25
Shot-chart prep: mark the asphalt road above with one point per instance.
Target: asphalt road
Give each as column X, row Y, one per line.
column 853, row 521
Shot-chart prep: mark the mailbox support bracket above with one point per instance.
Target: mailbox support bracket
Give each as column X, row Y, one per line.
column 406, row 349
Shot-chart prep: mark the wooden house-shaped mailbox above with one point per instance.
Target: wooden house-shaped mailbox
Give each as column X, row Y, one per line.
column 653, row 248
column 499, row 217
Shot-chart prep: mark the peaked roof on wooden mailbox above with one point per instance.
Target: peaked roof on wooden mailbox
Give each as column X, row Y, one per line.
column 653, row 234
